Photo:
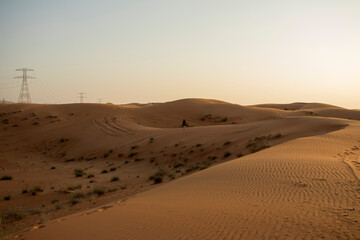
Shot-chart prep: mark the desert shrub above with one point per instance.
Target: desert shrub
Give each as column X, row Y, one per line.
column 120, row 155
column 112, row 189
column 6, row 177
column 112, row 169
column 52, row 168
column 104, row 171
column 239, row 155
column 24, row 191
column 114, row 179
column 227, row 154
column 192, row 168
column 35, row 190
column 74, row 187
column 133, row 154
column 99, row 190
column 224, row 119
column 90, row 176
column 12, row 214
column 7, row 197
column 138, row 159
column 158, row 176
column 58, row 206
column 227, row 143
column 151, row 140
column 198, row 145
column 122, row 187
column 78, row 172
column 75, row 198
column 62, row 140
column 134, row 147
column 152, row 159
column 208, row 116
column 259, row 148
column 177, row 165
column 278, row 135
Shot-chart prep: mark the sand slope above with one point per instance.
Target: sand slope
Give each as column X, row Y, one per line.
column 300, row 189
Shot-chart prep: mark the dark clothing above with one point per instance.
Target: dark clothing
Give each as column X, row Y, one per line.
column 184, row 124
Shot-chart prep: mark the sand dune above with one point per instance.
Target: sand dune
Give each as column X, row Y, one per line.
column 301, row 189
column 295, row 178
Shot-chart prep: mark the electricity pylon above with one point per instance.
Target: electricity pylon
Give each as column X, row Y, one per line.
column 24, row 96
column 81, row 96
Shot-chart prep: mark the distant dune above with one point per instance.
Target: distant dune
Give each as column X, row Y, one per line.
column 271, row 171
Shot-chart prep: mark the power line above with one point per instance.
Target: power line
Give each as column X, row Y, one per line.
column 24, row 96
column 81, row 96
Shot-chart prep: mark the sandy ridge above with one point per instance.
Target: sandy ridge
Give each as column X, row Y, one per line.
column 300, row 189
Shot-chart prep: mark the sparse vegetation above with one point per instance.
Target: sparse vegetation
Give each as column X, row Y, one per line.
column 58, row 206
column 78, row 172
column 133, row 154
column 90, row 176
column 208, row 116
column 227, row 154
column 104, row 171
column 260, row 143
column 158, row 176
column 99, row 190
column 114, row 179
column 35, row 190
column 6, row 177
column 199, row 166
column 71, row 188
column 151, row 140
column 52, row 168
column 24, row 191
column 177, row 165
column 7, row 197
column 75, row 198
column 12, row 214
column 62, row 140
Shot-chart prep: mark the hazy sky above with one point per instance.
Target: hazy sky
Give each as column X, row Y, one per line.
column 122, row 51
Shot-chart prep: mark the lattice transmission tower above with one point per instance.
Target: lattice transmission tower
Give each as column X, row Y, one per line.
column 24, row 96
column 81, row 96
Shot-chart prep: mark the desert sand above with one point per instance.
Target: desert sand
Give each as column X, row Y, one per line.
column 270, row 171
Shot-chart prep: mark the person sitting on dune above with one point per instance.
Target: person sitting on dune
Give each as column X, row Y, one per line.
column 184, row 124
